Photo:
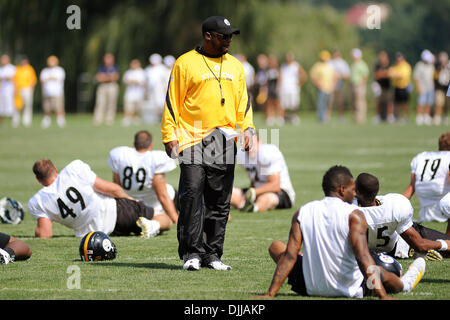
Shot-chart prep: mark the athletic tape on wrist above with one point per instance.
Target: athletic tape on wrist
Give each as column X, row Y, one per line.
column 444, row 245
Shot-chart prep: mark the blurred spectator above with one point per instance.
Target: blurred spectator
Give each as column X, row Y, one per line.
column 343, row 73
column 168, row 60
column 442, row 80
column 292, row 78
column 384, row 103
column 274, row 111
column 52, row 80
column 7, row 72
column 261, row 80
column 107, row 91
column 134, row 79
column 400, row 73
column 25, row 80
column 324, row 77
column 156, row 86
column 249, row 73
column 423, row 74
column 359, row 74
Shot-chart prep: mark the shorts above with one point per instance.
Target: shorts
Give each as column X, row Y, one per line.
column 284, row 202
column 290, row 100
column 128, row 212
column 4, row 240
column 296, row 278
column 401, row 95
column 53, row 104
column 426, row 98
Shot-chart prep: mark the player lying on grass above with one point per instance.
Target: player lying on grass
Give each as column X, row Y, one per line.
column 78, row 199
column 270, row 184
column 140, row 171
column 336, row 261
column 390, row 225
column 13, row 249
column 430, row 181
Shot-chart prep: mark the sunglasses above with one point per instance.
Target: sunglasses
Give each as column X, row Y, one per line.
column 221, row 36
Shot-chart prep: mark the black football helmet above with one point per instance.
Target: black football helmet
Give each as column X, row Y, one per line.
column 387, row 262
column 97, row 246
column 11, row 211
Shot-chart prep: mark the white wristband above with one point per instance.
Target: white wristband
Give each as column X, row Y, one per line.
column 444, row 245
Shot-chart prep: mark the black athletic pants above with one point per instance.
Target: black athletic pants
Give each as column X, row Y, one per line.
column 204, row 194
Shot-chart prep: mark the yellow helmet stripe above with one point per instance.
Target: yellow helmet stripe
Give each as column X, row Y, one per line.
column 86, row 244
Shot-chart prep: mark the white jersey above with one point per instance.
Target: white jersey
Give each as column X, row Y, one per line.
column 329, row 264
column 135, row 90
column 7, row 90
column 269, row 160
column 72, row 201
column 290, row 80
column 52, row 81
column 7, row 72
column 136, row 171
column 387, row 221
column 431, row 172
column 157, row 82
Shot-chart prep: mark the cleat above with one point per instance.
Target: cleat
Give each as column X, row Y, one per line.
column 192, row 264
column 250, row 198
column 150, row 228
column 414, row 274
column 218, row 265
column 5, row 258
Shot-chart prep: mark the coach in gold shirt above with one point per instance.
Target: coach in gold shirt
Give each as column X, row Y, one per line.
column 206, row 100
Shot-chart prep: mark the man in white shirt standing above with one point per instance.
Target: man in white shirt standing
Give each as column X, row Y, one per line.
column 156, row 85
column 134, row 80
column 78, row 199
column 430, row 182
column 7, row 72
column 52, row 80
column 423, row 74
column 270, row 184
column 335, row 261
column 343, row 74
column 141, row 173
column 292, row 78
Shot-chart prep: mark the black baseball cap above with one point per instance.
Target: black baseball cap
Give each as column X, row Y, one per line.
column 218, row 24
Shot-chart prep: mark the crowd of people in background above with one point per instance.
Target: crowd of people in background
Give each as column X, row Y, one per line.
column 277, row 89
column 274, row 88
column 143, row 98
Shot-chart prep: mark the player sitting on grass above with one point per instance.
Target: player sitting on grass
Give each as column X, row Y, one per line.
column 390, row 225
column 140, row 171
column 430, row 181
column 270, row 185
column 336, row 261
column 77, row 198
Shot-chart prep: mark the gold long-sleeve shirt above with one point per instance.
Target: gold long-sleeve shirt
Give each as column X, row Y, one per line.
column 193, row 107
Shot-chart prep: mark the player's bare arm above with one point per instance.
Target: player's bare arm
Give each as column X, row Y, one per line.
column 159, row 185
column 287, row 260
column 110, row 189
column 415, row 241
column 44, row 228
column 358, row 240
column 116, row 178
column 409, row 191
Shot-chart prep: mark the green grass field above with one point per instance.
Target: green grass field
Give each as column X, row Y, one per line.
column 149, row 268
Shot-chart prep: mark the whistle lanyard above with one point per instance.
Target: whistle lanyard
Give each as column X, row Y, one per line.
column 222, row 100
